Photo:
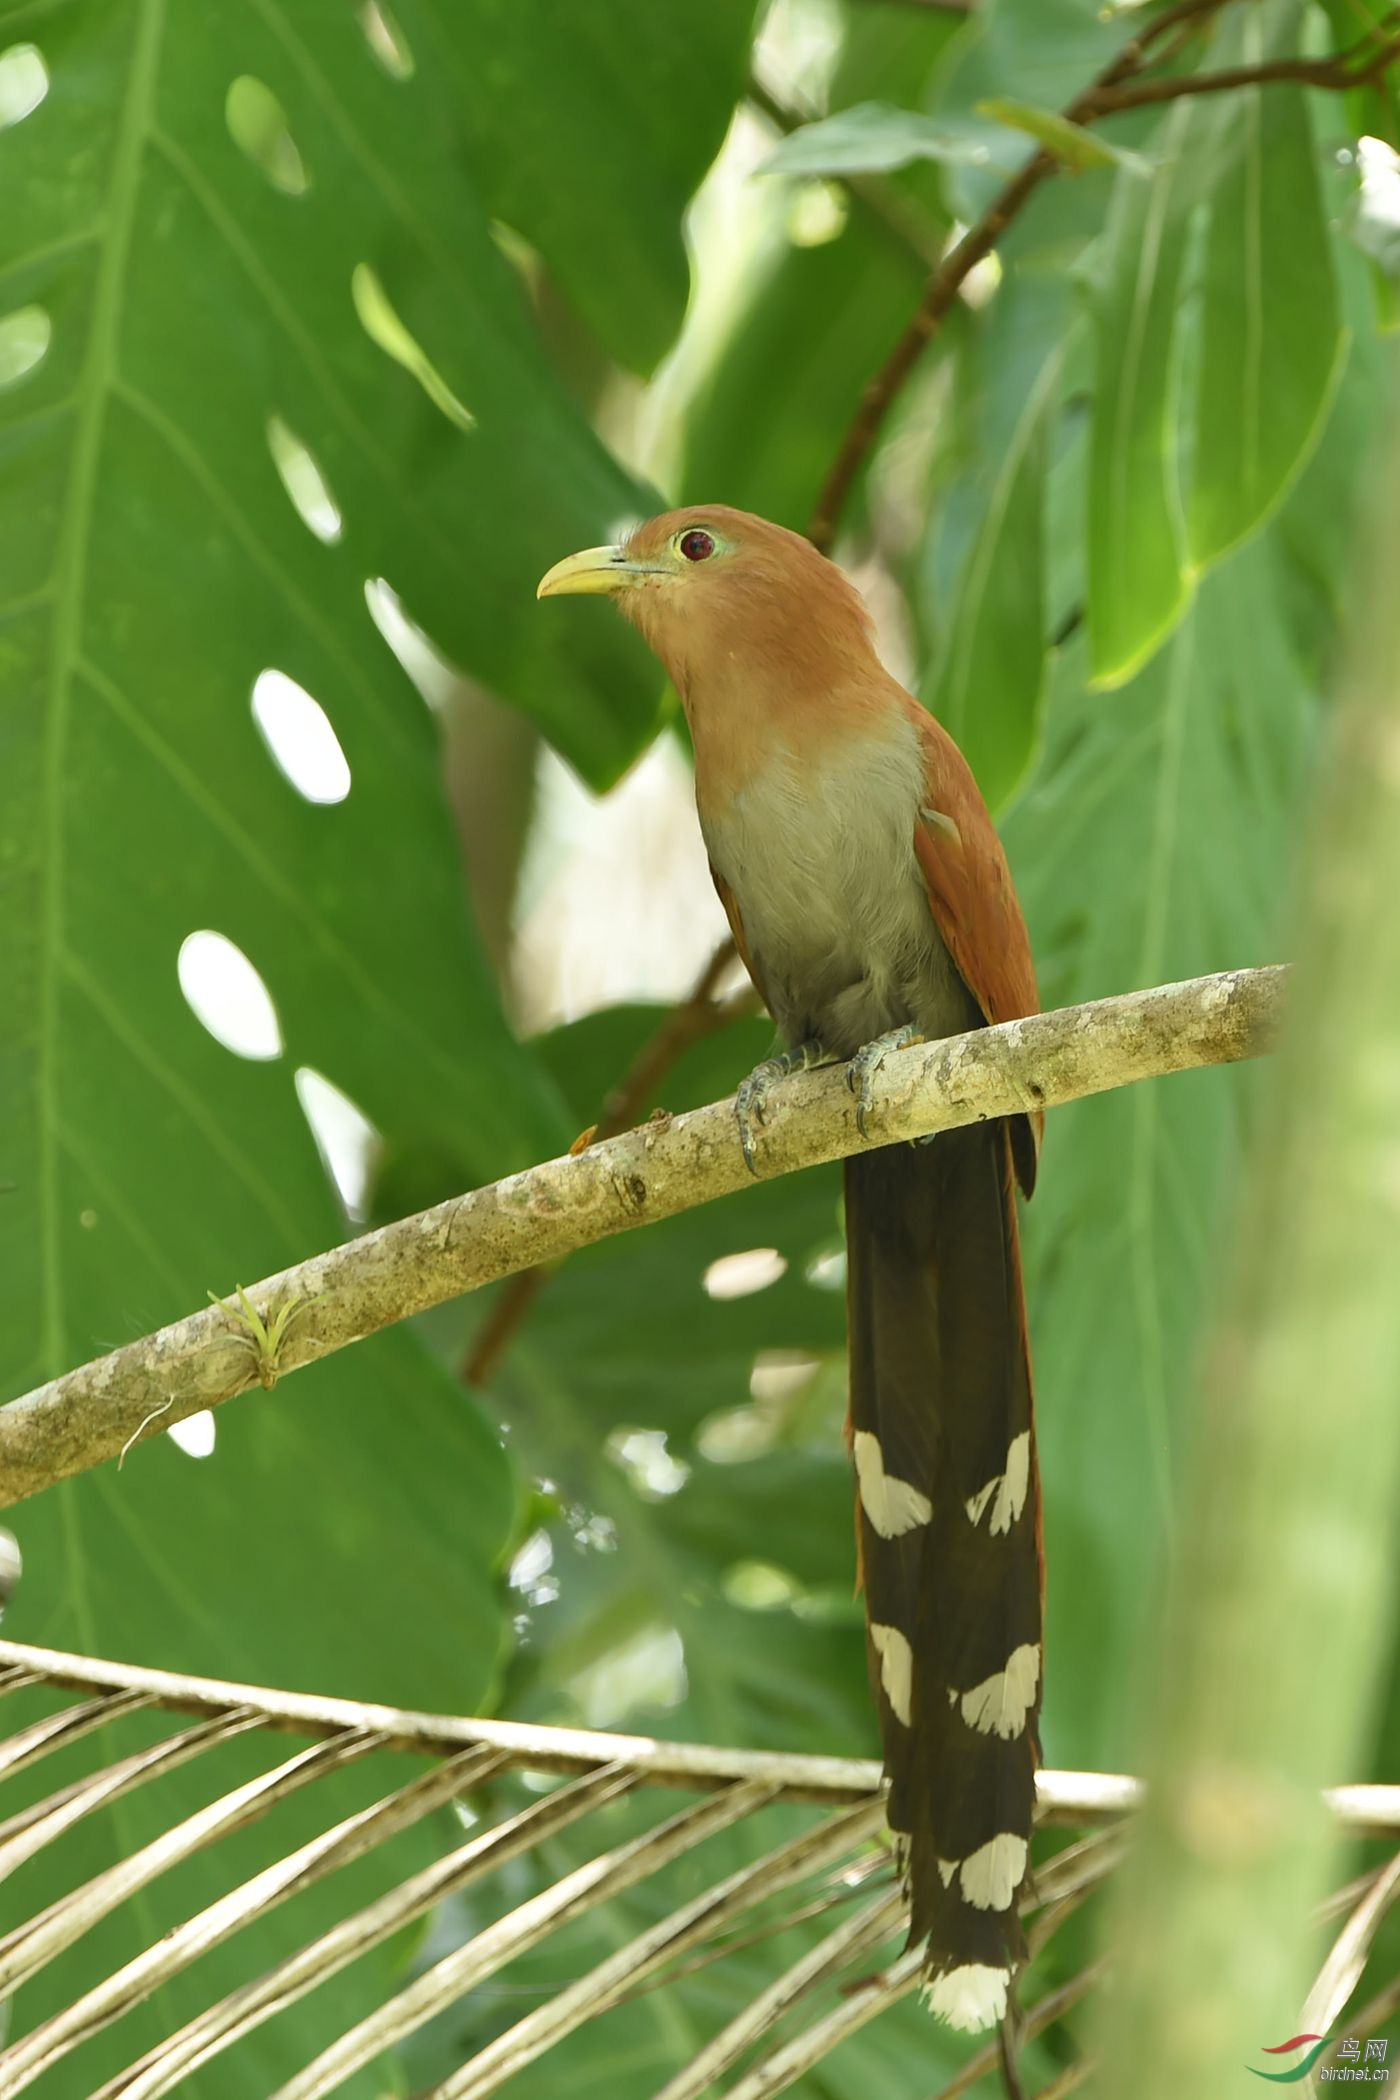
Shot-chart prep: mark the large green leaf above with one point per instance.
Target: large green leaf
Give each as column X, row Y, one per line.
column 193, row 297
column 346, row 1533
column 1136, row 581
column 1154, row 843
column 987, row 680
column 588, row 130
column 1158, row 349
column 1272, row 333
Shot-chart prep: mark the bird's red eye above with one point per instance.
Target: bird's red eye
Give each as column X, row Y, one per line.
column 697, row 545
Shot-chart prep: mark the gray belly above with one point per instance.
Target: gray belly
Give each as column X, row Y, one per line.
column 834, row 906
column 843, row 972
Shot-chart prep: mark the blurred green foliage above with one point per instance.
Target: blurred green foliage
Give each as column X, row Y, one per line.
column 327, row 295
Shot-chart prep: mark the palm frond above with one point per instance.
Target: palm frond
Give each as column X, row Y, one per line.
column 828, row 1864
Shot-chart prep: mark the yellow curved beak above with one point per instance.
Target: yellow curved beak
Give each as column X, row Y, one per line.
column 595, row 569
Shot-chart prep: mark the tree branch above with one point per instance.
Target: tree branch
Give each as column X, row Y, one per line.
column 669, row 1165
column 699, row 1014
column 1114, row 90
column 1338, row 73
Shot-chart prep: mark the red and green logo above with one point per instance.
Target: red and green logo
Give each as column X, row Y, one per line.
column 1300, row 2070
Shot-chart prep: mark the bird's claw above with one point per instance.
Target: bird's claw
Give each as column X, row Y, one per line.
column 751, row 1100
column 862, row 1068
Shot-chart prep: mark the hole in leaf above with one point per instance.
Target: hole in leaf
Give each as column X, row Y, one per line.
column 196, row 1435
column 382, row 325
column 386, row 40
column 304, row 482
column 345, row 1138
column 226, row 995
column 425, row 664
column 740, row 1275
column 24, row 82
column 257, row 124
column 297, row 731
column 24, row 341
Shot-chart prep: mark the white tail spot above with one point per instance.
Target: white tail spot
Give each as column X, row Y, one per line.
column 991, row 1875
column 968, row 1998
column 896, row 1668
column 1006, row 1492
column 999, row 1705
column 893, row 1506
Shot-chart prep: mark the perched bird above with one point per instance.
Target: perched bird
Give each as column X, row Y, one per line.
column 871, row 901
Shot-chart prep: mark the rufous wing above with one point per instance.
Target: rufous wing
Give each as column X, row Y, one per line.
column 974, row 903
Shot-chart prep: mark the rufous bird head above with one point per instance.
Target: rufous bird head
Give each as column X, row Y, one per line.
column 722, row 595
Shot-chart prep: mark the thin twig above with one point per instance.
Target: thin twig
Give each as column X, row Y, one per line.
column 1009, row 2037
column 881, row 392
column 670, row 1165
column 947, row 281
column 1105, row 96
column 1069, row 2080
column 1335, row 73
column 698, row 1015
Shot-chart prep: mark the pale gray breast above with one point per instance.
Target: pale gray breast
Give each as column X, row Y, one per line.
column 822, row 866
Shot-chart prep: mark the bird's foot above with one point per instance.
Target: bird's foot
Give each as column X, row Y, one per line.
column 751, row 1101
column 861, row 1071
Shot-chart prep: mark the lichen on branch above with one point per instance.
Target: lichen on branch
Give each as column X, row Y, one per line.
column 668, row 1165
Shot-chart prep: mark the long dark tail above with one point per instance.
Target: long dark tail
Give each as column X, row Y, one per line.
column 948, row 1524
